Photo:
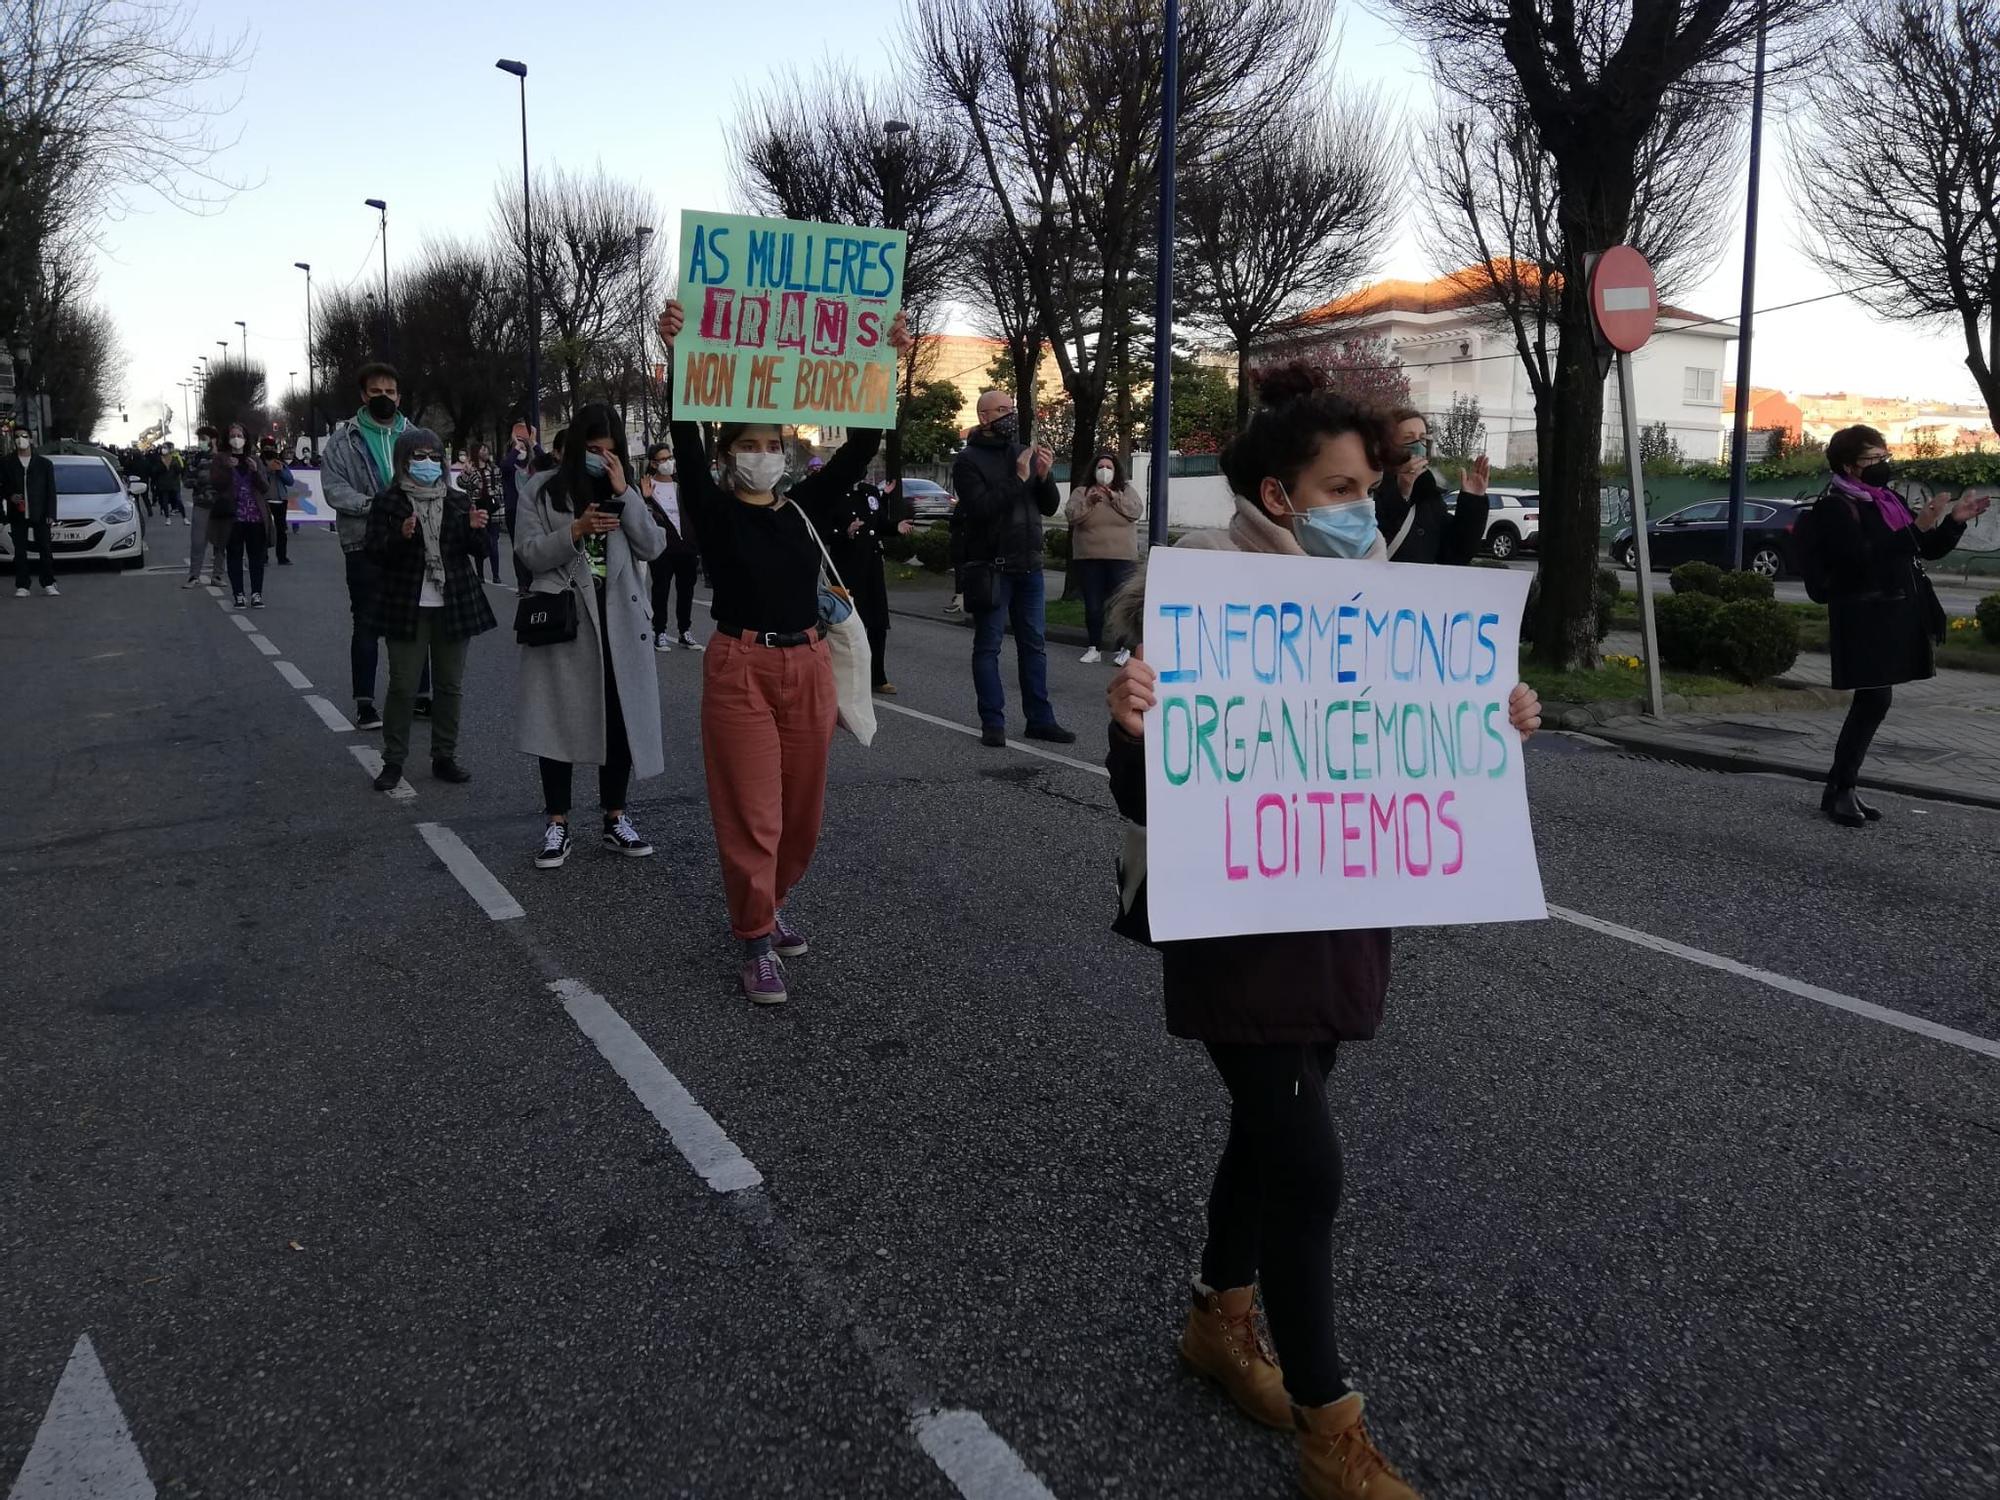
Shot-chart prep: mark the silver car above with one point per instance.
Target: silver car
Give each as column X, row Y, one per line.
column 96, row 520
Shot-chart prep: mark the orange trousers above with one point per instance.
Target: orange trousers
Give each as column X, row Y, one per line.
column 767, row 720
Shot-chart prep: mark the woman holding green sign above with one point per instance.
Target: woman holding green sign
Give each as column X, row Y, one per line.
column 1272, row 1009
column 767, row 693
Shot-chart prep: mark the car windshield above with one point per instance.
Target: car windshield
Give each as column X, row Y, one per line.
column 90, row 478
column 922, row 487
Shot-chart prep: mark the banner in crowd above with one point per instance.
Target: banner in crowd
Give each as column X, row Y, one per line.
column 1330, row 746
column 787, row 322
column 306, row 506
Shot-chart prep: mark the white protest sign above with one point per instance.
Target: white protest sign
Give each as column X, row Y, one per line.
column 1330, row 746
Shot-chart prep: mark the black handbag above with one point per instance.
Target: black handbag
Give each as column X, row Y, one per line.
column 545, row 619
column 979, row 585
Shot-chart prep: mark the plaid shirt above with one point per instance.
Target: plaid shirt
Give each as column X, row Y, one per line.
column 394, row 612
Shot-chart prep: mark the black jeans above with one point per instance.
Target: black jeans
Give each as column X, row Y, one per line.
column 674, row 571
column 280, row 530
column 1270, row 1213
column 364, row 581
column 1101, row 578
column 20, row 528
column 865, row 579
column 1864, row 716
column 615, row 775
column 247, row 536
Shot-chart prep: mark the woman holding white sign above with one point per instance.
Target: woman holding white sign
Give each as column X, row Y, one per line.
column 1273, row 1008
column 767, row 693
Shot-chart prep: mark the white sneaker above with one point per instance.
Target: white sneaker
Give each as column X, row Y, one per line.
column 1092, row 656
column 51, row 592
column 691, row 643
column 1121, row 658
column 662, row 643
column 20, row 593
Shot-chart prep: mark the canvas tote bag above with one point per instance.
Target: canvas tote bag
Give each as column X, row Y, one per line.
column 848, row 639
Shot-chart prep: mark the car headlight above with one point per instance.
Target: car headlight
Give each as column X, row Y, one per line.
column 118, row 515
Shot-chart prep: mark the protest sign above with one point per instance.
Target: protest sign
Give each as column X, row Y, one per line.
column 306, row 505
column 1330, row 746
column 787, row 322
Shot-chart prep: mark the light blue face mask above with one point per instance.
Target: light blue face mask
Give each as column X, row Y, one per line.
column 426, row 470
column 593, row 463
column 1346, row 531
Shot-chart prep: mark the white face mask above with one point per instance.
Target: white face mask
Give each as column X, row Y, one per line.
column 759, row 473
column 236, row 445
column 1105, row 473
column 664, row 470
column 22, row 445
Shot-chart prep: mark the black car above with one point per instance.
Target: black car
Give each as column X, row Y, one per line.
column 1700, row 533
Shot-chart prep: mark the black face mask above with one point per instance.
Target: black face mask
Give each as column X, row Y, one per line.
column 1005, row 428
column 382, row 408
column 1878, row 474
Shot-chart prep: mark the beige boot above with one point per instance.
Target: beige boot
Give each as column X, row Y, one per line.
column 1338, row 1459
column 1223, row 1343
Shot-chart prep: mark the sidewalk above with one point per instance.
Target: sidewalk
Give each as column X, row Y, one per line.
column 1941, row 739
column 925, row 596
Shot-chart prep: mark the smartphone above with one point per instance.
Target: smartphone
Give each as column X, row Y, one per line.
column 611, row 507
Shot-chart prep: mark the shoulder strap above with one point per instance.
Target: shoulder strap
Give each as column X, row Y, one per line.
column 813, row 531
column 1403, row 531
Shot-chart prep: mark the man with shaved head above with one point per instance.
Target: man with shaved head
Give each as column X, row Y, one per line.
column 1004, row 489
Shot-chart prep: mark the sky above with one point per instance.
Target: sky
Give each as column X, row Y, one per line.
column 402, row 102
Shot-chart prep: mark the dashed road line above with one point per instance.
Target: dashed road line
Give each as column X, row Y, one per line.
column 480, row 883
column 974, row 1457
column 214, row 590
column 330, row 716
column 292, row 675
column 371, row 762
column 244, row 623
column 693, row 1130
column 1832, row 999
column 264, row 644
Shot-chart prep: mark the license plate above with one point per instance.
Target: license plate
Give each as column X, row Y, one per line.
column 71, row 533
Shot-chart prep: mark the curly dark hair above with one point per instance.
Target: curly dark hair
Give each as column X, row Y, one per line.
column 1297, row 410
column 1845, row 447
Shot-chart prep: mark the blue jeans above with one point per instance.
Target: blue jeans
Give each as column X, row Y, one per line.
column 1020, row 600
column 1101, row 578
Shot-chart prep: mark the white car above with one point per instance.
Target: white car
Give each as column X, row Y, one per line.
column 1514, row 521
column 96, row 520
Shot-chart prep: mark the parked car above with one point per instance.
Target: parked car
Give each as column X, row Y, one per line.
column 96, row 520
column 1513, row 521
column 1700, row 533
column 928, row 501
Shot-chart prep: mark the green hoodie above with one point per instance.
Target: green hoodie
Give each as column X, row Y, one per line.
column 381, row 442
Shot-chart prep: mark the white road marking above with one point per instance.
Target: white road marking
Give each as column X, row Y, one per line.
column 243, row 623
column 693, row 1130
column 330, row 716
column 292, row 675
column 214, row 589
column 975, row 1458
column 264, row 645
column 1025, row 749
column 1985, row 1046
column 479, row 882
column 84, row 1446
column 371, row 762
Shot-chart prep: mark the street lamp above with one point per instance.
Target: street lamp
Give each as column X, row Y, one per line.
column 894, row 166
column 185, row 433
column 246, row 339
column 223, row 345
column 639, row 237
column 312, row 393
column 520, row 71
column 383, row 209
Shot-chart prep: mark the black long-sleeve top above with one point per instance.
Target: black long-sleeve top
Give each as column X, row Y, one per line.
column 760, row 558
column 1439, row 534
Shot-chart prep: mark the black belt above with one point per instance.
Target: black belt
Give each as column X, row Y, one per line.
column 772, row 637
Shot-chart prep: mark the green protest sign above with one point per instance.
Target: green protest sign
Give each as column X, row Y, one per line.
column 787, row 322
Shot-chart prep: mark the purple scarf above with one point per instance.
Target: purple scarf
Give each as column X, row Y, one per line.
column 1895, row 514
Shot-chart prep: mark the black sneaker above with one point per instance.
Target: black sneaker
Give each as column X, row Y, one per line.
column 423, row 710
column 256, row 601
column 388, row 778
column 365, row 716
column 450, row 770
column 1053, row 733
column 555, row 847
column 993, row 739
column 622, row 838
column 239, row 601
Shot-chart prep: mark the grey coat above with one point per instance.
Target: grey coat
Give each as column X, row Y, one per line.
column 347, row 474
column 561, row 705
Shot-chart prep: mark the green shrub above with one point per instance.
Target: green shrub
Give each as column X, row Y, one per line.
column 1683, row 622
column 1697, row 578
column 1055, row 542
column 1745, row 585
column 933, row 547
column 1608, row 591
column 1752, row 640
column 1988, row 614
column 1491, row 562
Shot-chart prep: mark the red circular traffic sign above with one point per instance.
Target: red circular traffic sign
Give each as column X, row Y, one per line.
column 1624, row 299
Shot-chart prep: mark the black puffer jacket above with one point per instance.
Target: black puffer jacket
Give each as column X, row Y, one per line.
column 1439, row 533
column 999, row 514
column 1884, row 615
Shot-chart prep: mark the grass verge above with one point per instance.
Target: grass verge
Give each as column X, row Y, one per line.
column 1599, row 684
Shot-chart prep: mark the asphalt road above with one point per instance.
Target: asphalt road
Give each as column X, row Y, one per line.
column 1959, row 595
column 348, row 1203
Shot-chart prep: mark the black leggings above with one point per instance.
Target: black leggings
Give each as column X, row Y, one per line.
column 1864, row 716
column 1270, row 1213
column 615, row 775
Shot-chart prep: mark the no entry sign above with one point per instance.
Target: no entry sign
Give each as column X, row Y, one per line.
column 1624, row 299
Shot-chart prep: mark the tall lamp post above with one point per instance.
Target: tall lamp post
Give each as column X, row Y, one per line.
column 312, row 393
column 639, row 237
column 383, row 209
column 895, row 164
column 223, row 345
column 246, row 339
column 1163, row 306
column 520, row 71
column 185, row 432
column 1739, row 458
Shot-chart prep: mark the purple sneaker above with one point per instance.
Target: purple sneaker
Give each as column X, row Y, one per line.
column 786, row 940
column 764, row 980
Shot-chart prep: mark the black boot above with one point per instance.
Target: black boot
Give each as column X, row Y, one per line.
column 1872, row 813
column 1846, row 810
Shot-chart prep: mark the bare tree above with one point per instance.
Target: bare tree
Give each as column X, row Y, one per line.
column 1898, row 181
column 236, row 392
column 459, row 320
column 1594, row 77
column 77, row 362
column 1063, row 100
column 344, row 333
column 995, row 282
column 1251, row 268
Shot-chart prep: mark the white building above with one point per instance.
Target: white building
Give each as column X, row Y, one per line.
column 1454, row 341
